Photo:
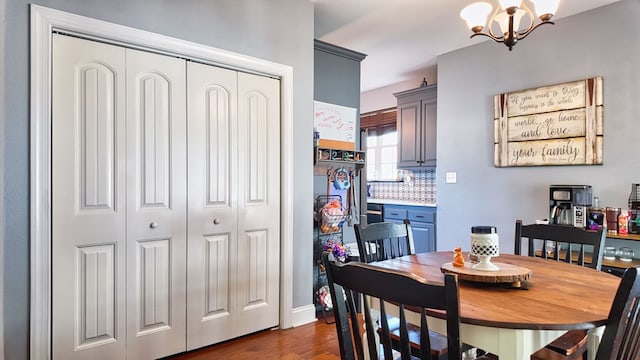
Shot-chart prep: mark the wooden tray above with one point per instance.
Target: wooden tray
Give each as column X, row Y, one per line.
column 507, row 273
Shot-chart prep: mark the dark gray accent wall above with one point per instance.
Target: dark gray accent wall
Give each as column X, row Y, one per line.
column 276, row 30
column 336, row 81
column 602, row 42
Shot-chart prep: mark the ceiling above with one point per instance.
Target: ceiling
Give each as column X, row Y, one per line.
column 402, row 38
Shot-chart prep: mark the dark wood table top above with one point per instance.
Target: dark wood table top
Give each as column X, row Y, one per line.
column 558, row 296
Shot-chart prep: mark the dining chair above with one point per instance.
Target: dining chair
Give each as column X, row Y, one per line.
column 621, row 337
column 559, row 242
column 387, row 240
column 562, row 243
column 389, row 287
column 384, row 240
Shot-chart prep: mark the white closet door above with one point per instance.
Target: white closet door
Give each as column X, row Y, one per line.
column 119, row 219
column 258, row 181
column 234, row 204
column 88, row 200
column 156, row 205
column 213, row 204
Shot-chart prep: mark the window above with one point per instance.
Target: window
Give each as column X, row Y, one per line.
column 382, row 154
column 382, row 144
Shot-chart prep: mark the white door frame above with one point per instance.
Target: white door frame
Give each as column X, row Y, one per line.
column 44, row 22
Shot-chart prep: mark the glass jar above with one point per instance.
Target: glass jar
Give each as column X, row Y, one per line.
column 625, row 254
column 609, row 253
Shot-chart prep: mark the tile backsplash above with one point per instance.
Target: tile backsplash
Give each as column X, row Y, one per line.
column 419, row 185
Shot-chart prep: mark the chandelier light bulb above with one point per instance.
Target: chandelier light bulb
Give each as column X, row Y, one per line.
column 476, row 15
column 505, row 4
column 503, row 20
column 545, row 9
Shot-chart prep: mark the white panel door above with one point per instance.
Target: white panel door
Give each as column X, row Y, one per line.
column 213, row 204
column 234, row 204
column 120, row 166
column 258, row 181
column 156, row 205
column 88, row 200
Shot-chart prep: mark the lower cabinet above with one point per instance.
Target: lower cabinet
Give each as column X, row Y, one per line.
column 423, row 220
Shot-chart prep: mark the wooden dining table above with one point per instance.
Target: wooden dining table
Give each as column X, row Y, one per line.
column 514, row 322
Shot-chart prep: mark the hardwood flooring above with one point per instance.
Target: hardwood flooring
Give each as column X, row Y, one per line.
column 316, row 341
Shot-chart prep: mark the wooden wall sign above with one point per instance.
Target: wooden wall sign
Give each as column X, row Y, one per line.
column 552, row 125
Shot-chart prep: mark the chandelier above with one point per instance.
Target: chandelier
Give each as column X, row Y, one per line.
column 508, row 16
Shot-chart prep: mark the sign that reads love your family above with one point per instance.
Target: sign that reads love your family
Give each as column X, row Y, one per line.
column 552, row 125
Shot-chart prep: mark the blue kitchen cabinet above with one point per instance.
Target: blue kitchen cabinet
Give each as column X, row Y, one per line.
column 423, row 220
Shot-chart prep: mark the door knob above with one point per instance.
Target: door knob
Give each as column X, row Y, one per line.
column 216, row 221
column 153, row 225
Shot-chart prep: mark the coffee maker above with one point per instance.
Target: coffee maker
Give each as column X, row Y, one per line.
column 568, row 204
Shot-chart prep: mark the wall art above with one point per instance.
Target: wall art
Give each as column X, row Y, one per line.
column 551, row 125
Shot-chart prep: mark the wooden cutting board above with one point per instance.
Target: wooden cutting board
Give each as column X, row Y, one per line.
column 506, row 273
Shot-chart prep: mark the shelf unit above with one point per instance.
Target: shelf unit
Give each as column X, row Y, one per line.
column 618, row 266
column 326, row 228
column 326, row 159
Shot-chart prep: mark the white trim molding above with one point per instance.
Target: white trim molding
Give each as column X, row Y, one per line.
column 304, row 315
column 44, row 22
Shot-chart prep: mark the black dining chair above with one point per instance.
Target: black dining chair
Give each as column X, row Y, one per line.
column 387, row 240
column 384, row 240
column 389, row 286
column 562, row 243
column 621, row 337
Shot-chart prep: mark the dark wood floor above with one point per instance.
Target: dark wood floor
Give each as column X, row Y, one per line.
column 317, row 341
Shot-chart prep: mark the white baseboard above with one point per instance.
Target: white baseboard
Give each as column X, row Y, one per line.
column 303, row 315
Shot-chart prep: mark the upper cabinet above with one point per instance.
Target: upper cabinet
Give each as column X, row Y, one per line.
column 416, row 126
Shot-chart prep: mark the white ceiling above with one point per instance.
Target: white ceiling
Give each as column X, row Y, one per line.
column 401, row 38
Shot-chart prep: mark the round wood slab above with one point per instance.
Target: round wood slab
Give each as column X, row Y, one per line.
column 507, row 273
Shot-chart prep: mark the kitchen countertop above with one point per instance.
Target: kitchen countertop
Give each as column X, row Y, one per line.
column 399, row 202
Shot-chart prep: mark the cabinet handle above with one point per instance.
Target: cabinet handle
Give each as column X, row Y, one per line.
column 153, row 225
column 216, row 221
column 419, row 216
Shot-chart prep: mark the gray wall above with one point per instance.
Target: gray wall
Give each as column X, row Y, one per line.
column 2, row 237
column 337, row 81
column 602, row 42
column 276, row 30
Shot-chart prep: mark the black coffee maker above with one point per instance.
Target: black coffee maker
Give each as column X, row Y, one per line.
column 568, row 204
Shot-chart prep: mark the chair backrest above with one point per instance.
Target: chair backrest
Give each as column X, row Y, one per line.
column 621, row 337
column 561, row 242
column 388, row 287
column 383, row 241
